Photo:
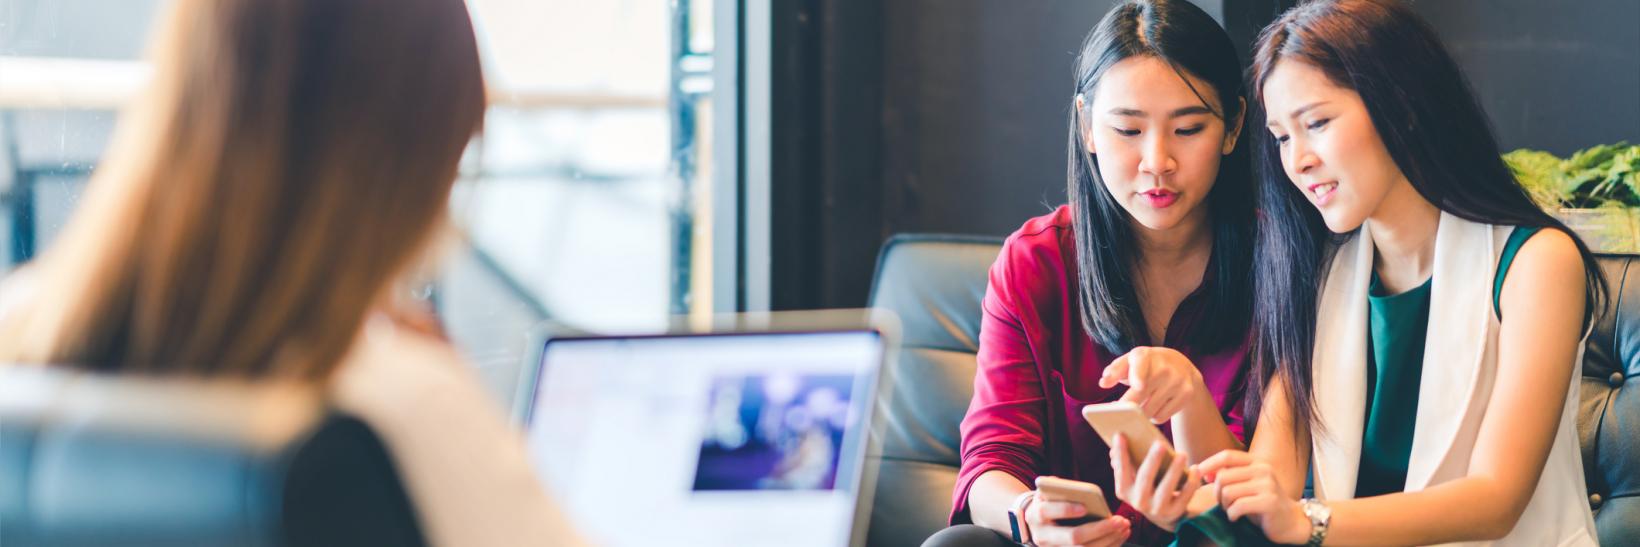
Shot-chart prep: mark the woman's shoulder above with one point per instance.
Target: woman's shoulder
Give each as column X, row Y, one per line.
column 465, row 466
column 392, row 369
column 1038, row 260
column 1545, row 256
column 1048, row 231
column 403, row 382
column 1046, row 240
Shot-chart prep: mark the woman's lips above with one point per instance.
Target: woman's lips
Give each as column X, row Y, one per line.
column 1323, row 192
column 1159, row 198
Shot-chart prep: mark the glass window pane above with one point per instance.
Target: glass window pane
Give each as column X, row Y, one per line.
column 583, row 203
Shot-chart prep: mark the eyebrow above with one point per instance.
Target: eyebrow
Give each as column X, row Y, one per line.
column 1297, row 112
column 1186, row 111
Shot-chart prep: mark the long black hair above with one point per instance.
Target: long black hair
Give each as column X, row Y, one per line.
column 1187, row 39
column 1435, row 130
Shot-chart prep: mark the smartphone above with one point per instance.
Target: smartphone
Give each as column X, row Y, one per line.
column 1085, row 493
column 1126, row 418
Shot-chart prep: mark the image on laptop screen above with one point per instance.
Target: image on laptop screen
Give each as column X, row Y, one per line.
column 725, row 439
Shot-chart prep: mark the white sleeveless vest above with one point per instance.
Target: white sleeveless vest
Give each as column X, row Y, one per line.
column 1460, row 368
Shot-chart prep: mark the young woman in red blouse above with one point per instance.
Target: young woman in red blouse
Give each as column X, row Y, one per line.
column 1139, row 289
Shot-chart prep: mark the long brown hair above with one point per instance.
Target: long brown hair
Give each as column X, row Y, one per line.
column 291, row 159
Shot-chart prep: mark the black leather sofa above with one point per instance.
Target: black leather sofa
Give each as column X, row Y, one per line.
column 935, row 283
column 87, row 460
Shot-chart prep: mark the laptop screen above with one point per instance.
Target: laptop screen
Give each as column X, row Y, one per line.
column 726, row 439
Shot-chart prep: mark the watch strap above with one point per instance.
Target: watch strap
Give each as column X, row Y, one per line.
column 1016, row 517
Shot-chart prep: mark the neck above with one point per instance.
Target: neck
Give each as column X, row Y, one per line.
column 1403, row 238
column 1171, row 264
column 1187, row 241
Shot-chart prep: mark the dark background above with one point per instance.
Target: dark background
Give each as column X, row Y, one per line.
column 950, row 115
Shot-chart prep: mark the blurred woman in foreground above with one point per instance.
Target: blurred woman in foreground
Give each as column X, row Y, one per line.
column 261, row 207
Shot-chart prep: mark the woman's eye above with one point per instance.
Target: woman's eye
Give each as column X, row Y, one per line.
column 1125, row 132
column 1282, row 139
column 1319, row 123
column 1188, row 131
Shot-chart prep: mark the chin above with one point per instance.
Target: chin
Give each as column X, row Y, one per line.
column 1340, row 222
column 1158, row 223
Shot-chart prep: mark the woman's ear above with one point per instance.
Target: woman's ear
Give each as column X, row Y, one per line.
column 1234, row 131
column 1084, row 128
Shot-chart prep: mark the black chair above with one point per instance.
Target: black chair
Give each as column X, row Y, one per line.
column 935, row 284
column 89, row 460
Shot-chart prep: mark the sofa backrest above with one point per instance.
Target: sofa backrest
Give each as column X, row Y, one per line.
column 1608, row 421
column 934, row 283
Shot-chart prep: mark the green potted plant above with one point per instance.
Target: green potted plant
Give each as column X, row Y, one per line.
column 1596, row 191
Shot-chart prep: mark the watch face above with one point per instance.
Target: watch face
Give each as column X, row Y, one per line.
column 1317, row 512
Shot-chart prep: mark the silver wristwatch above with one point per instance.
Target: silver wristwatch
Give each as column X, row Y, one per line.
column 1320, row 516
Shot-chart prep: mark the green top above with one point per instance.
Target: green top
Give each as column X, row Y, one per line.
column 1214, row 527
column 1398, row 325
column 1510, row 249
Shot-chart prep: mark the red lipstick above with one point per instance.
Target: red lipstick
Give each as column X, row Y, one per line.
column 1160, row 198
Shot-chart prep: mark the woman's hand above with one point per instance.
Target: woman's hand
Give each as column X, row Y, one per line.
column 1041, row 516
column 1160, row 380
column 1139, row 485
column 1248, row 488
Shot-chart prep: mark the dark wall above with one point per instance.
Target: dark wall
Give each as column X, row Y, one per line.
column 976, row 98
column 951, row 115
column 1556, row 76
column 924, row 116
column 826, row 193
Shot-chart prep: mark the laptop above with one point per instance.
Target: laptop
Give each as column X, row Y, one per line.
column 738, row 438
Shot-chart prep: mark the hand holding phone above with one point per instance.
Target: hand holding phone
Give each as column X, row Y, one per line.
column 1128, row 419
column 1150, row 476
column 1068, row 512
column 1085, row 493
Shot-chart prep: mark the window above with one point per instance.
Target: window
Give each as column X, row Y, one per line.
column 587, row 202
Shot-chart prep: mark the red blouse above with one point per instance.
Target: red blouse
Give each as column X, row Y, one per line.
column 1037, row 369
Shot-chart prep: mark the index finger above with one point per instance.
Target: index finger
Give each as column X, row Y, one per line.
column 1111, row 528
column 1138, row 363
column 1223, row 460
column 1114, row 373
column 1121, row 463
column 1050, row 511
column 1180, row 503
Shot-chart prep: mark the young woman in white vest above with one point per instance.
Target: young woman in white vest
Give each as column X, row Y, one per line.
column 1430, row 386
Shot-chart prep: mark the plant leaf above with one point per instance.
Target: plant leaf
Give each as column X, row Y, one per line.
column 1540, row 173
column 1595, row 156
